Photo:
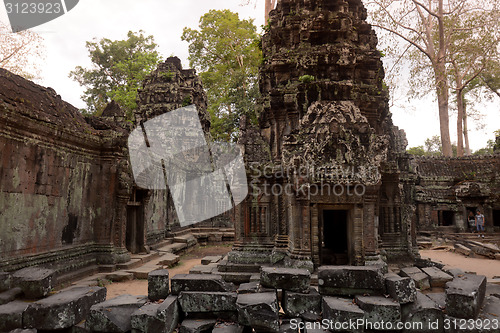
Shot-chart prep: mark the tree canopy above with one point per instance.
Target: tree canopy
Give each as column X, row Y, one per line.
column 118, row 69
column 225, row 51
column 17, row 51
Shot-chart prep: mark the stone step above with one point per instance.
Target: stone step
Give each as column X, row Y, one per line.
column 161, row 244
column 211, row 260
column 225, row 266
column 145, row 258
column 119, row 276
column 168, row 259
column 173, row 248
column 188, row 239
column 77, row 275
column 10, row 295
column 203, row 269
column 107, row 268
column 132, row 263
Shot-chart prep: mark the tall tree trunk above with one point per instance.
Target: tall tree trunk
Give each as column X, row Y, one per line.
column 270, row 4
column 466, row 132
column 460, row 121
column 442, row 87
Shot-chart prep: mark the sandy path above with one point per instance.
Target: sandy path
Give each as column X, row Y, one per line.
column 487, row 267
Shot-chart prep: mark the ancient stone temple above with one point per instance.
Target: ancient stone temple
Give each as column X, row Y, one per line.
column 328, row 170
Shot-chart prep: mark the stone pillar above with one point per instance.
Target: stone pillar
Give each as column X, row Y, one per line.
column 370, row 231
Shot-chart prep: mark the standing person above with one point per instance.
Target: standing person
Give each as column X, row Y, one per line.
column 480, row 223
column 471, row 219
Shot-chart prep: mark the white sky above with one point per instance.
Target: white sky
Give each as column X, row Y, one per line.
column 65, row 39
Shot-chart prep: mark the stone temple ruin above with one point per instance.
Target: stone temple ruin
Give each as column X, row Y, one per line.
column 333, row 197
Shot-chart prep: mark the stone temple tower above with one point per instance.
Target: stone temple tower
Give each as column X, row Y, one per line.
column 327, row 168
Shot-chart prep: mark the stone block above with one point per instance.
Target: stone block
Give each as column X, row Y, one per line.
column 10, row 295
column 119, row 276
column 421, row 279
column 211, row 260
column 439, row 299
column 114, row 315
column 305, row 306
column 465, row 296
column 259, row 311
column 35, row 282
column 228, row 328
column 11, row 315
column 378, row 309
column 63, row 310
column 291, row 279
column 200, row 301
column 453, row 271
column 437, row 277
column 340, row 311
column 350, row 280
column 156, row 317
column 248, row 288
column 402, row 289
column 5, row 281
column 424, row 311
column 22, row 330
column 158, row 285
column 462, row 249
column 199, row 282
column 197, row 326
column 290, row 325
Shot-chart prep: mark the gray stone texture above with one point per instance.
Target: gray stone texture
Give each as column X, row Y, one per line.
column 291, row 279
column 36, row 282
column 5, row 280
column 425, row 311
column 199, row 282
column 342, row 310
column 437, row 277
column 306, row 306
column 197, row 326
column 228, row 328
column 248, row 288
column 10, row 295
column 350, row 280
column 156, row 317
column 465, row 296
column 379, row 308
column 421, row 279
column 402, row 289
column 196, row 301
column 64, row 309
column 11, row 315
column 259, row 311
column 158, row 285
column 114, row 315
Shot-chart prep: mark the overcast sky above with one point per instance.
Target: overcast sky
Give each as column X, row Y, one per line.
column 65, row 39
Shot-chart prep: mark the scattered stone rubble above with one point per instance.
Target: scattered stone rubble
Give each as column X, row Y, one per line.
column 283, row 297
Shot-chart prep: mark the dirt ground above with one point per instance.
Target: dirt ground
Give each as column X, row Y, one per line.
column 187, row 261
column 489, row 268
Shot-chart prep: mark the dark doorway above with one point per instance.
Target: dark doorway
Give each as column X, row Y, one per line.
column 334, row 247
column 496, row 218
column 446, row 218
column 134, row 237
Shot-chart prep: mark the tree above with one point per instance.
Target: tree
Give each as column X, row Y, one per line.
column 428, row 27
column 17, row 51
column 491, row 145
column 225, row 51
column 119, row 67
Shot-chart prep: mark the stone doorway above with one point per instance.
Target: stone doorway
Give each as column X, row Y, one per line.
column 334, row 237
column 135, row 232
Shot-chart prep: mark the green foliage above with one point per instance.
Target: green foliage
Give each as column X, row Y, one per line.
column 431, row 147
column 118, row 69
column 225, row 51
column 418, row 151
column 491, row 146
column 307, row 79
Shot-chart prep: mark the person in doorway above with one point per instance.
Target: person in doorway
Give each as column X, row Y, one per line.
column 471, row 219
column 480, row 223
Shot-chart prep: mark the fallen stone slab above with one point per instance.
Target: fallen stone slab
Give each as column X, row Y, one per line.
column 491, row 309
column 228, row 328
column 259, row 311
column 437, row 277
column 306, row 306
column 465, row 296
column 439, row 299
column 203, row 269
column 11, row 315
column 402, row 289
column 211, row 260
column 350, row 280
column 196, row 301
column 114, row 315
column 197, row 325
column 35, row 282
column 292, row 279
column 462, row 249
column 158, row 285
column 119, row 276
column 378, row 309
column 63, row 310
column 453, row 271
column 425, row 312
column 156, row 317
column 493, row 290
column 248, row 288
column 421, row 279
column 10, row 295
column 290, row 325
column 342, row 312
column 199, row 282
column 168, row 259
column 5, row 281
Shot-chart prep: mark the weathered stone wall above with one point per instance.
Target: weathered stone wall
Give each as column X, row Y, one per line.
column 59, row 174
